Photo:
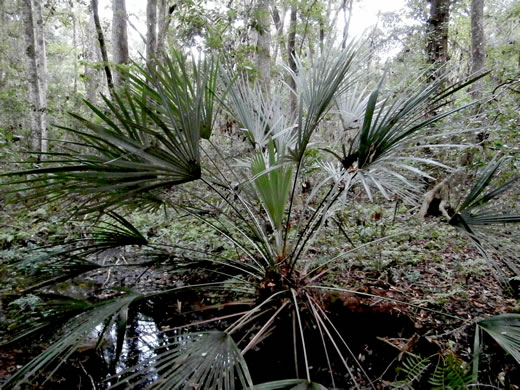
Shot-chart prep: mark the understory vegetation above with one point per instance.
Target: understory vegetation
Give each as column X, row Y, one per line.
column 216, row 238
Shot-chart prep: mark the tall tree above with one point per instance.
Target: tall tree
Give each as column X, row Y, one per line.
column 263, row 42
column 36, row 61
column 437, row 37
column 92, row 57
column 478, row 53
column 291, row 52
column 102, row 45
column 119, row 40
column 151, row 30
column 165, row 13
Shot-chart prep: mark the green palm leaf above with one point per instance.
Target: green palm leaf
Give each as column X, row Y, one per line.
column 292, row 384
column 475, row 210
column 505, row 330
column 317, row 86
column 74, row 333
column 273, row 183
column 389, row 126
column 144, row 140
column 205, row 360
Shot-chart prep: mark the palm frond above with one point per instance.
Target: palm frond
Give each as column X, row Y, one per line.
column 505, row 330
column 292, row 384
column 74, row 333
column 273, row 183
column 206, row 360
column 477, row 211
column 51, row 268
column 317, row 86
column 34, row 313
column 391, row 124
column 147, row 139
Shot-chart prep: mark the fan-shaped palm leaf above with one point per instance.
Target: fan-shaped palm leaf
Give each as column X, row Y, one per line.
column 391, row 124
column 74, row 333
column 317, row 86
column 505, row 330
column 273, row 184
column 476, row 211
column 148, row 138
column 205, row 360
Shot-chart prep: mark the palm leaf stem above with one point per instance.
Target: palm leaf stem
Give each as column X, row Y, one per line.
column 256, row 229
column 308, row 233
column 264, row 328
column 297, row 310
column 291, row 202
column 387, row 299
column 321, row 325
column 241, row 321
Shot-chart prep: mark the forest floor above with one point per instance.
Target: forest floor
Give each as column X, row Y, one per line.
column 417, row 292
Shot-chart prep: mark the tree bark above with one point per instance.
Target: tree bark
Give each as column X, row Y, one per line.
column 43, row 78
column 151, row 31
column 119, row 40
column 102, row 45
column 278, row 23
column 263, row 43
column 165, row 13
column 437, row 39
column 92, row 57
column 478, row 53
column 291, row 52
column 36, row 73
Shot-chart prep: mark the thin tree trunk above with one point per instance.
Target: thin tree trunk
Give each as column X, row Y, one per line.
column 291, row 52
column 43, row 78
column 263, row 43
column 74, row 50
column 347, row 20
column 119, row 40
column 102, row 46
column 151, row 30
column 478, row 51
column 91, row 77
column 36, row 82
column 165, row 13
column 278, row 23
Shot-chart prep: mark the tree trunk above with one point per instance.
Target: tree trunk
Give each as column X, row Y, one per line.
column 37, row 80
column 278, row 23
column 164, row 21
column 151, row 30
column 478, row 53
column 102, row 45
column 291, row 52
column 437, row 39
column 43, row 78
column 263, row 43
column 119, row 40
column 92, row 57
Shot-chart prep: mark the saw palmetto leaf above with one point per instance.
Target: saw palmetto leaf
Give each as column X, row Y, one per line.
column 74, row 333
column 205, row 360
column 46, row 310
column 389, row 125
column 50, row 269
column 476, row 210
column 273, row 183
column 317, row 86
column 144, row 140
column 505, row 330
